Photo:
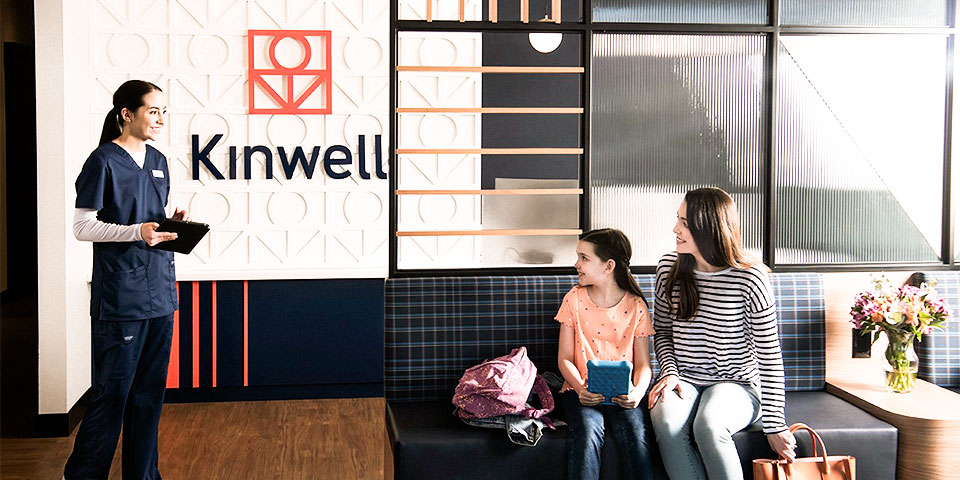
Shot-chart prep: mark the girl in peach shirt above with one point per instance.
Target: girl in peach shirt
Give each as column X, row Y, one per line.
column 604, row 317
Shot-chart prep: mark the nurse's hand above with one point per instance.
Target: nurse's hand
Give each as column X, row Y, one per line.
column 179, row 214
column 149, row 233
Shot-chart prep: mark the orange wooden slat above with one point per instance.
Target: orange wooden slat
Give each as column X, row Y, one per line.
column 490, row 151
column 213, row 329
column 195, row 331
column 489, row 69
column 520, row 110
column 493, row 11
column 501, row 232
column 516, row 191
column 429, row 10
column 462, row 12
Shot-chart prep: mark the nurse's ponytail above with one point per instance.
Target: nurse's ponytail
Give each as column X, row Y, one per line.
column 129, row 96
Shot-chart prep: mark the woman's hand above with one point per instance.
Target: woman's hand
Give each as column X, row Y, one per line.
column 588, row 398
column 661, row 389
column 179, row 214
column 149, row 234
column 630, row 400
column 784, row 444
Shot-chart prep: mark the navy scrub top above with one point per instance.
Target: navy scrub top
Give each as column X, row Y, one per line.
column 131, row 281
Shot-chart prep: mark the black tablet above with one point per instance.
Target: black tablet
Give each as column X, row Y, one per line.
column 189, row 235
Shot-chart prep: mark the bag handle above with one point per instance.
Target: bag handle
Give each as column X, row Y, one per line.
column 546, row 399
column 817, row 445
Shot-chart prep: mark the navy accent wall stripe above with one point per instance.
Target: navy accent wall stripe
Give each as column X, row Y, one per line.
column 316, row 331
column 229, row 334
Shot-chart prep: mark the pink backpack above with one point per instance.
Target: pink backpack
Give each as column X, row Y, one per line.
column 501, row 387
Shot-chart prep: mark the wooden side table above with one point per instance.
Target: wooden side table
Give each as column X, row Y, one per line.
column 927, row 421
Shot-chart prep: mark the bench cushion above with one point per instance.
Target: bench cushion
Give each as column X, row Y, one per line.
column 428, row 441
column 435, row 328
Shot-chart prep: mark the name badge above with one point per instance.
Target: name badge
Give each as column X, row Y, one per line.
column 158, row 173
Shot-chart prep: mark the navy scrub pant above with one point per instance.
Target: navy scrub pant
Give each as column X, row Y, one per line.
column 130, row 376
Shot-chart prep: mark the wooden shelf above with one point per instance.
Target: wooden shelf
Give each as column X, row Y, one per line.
column 489, row 69
column 517, row 191
column 518, row 110
column 490, row 151
column 501, row 232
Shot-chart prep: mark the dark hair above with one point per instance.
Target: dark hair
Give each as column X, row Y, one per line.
column 129, row 96
column 715, row 226
column 610, row 243
column 916, row 279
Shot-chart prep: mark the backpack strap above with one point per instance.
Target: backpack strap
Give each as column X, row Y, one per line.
column 546, row 399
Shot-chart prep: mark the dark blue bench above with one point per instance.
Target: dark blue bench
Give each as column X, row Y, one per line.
column 435, row 328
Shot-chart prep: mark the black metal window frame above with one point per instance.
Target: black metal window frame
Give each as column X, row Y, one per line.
column 586, row 28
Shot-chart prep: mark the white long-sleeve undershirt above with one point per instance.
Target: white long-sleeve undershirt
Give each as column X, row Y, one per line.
column 87, row 227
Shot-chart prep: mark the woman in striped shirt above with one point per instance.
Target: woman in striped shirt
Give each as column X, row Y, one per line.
column 716, row 343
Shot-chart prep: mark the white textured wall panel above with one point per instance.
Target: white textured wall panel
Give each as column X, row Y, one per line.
column 196, row 51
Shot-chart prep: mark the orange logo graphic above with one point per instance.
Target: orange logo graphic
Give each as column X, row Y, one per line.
column 304, row 88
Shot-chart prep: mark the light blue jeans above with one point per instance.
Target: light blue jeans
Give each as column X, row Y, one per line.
column 695, row 434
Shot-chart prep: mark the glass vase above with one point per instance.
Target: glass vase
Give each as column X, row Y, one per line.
column 901, row 364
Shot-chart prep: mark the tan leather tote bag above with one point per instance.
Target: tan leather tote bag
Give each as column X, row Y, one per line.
column 818, row 467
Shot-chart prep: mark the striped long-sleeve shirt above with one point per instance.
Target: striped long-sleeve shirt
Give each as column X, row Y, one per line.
column 732, row 337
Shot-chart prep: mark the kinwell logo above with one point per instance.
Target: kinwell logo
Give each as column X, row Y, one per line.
column 301, row 86
column 333, row 155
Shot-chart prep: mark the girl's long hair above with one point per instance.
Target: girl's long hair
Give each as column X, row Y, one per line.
column 715, row 226
column 129, row 96
column 610, row 243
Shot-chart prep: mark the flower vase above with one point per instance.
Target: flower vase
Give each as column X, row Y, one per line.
column 901, row 364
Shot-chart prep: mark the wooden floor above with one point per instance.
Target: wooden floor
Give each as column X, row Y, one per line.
column 290, row 439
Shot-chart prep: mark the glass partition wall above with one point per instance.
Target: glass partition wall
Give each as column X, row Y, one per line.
column 519, row 124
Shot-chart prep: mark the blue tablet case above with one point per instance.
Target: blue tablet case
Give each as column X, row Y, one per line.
column 609, row 378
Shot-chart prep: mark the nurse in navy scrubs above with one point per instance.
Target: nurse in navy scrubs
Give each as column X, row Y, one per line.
column 121, row 196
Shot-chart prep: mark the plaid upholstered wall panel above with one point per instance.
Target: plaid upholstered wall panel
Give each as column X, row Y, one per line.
column 435, row 328
column 939, row 352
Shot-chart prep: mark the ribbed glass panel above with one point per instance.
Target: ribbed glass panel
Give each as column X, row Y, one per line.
column 681, row 11
column 860, row 132
column 670, row 113
column 864, row 13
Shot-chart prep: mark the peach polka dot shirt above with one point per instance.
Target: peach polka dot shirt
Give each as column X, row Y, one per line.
column 602, row 333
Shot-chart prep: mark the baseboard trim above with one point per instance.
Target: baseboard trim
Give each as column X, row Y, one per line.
column 274, row 392
column 62, row 424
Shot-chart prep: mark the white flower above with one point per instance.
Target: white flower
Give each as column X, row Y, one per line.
column 893, row 318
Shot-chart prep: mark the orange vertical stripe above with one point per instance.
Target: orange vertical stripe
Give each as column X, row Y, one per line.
column 213, row 320
column 429, row 10
column 196, row 334
column 245, row 337
column 462, row 11
column 173, row 368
